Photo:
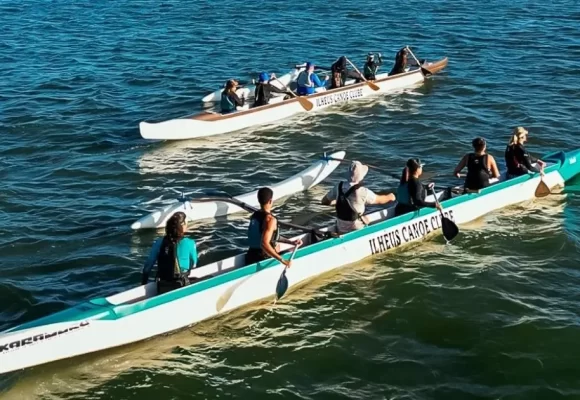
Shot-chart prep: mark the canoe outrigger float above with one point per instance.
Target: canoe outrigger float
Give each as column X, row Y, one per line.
column 222, row 286
column 194, row 211
column 210, row 123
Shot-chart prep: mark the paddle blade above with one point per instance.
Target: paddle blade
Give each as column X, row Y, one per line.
column 305, row 103
column 282, row 285
column 373, row 86
column 450, row 229
column 542, row 190
column 426, row 72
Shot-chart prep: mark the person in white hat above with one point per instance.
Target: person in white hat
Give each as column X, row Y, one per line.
column 351, row 197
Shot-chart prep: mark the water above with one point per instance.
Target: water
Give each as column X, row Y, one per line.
column 495, row 316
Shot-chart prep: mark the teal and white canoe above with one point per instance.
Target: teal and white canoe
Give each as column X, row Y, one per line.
column 302, row 181
column 139, row 314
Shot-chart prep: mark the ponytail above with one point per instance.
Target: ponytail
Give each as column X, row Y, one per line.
column 174, row 230
column 405, row 176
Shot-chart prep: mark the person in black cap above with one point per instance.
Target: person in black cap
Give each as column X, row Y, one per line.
column 411, row 192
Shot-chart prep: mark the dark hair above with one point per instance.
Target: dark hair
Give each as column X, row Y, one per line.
column 478, row 144
column 413, row 164
column 265, row 194
column 230, row 84
column 174, row 228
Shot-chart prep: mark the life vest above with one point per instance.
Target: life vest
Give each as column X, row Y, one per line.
column 227, row 105
column 344, row 211
column 304, row 79
column 403, row 196
column 256, row 229
column 167, row 264
column 262, row 95
column 477, row 172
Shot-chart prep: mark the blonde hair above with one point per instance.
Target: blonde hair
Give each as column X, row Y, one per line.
column 516, row 133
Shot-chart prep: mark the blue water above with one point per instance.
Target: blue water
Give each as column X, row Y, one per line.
column 495, row 316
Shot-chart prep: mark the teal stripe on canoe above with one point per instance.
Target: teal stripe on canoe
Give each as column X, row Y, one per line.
column 100, row 309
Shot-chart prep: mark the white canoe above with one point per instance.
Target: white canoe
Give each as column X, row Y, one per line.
column 302, row 181
column 248, row 91
column 140, row 313
column 210, row 123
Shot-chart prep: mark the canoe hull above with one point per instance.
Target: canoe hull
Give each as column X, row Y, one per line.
column 138, row 314
column 209, row 124
column 302, row 181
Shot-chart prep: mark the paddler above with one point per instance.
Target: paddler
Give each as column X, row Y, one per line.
column 518, row 160
column 307, row 81
column 371, row 66
column 174, row 254
column 264, row 89
column 264, row 233
column 230, row 99
column 481, row 166
column 400, row 62
column 351, row 197
column 411, row 192
column 340, row 73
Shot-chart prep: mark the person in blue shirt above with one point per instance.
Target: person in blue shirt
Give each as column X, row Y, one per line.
column 174, row 254
column 307, row 80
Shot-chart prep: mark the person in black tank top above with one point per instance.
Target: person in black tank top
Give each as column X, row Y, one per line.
column 480, row 167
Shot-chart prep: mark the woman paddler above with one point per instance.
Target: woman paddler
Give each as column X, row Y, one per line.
column 517, row 159
column 230, row 100
column 174, row 254
column 480, row 166
column 411, row 193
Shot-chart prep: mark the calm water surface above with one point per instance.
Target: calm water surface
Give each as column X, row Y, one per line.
column 493, row 316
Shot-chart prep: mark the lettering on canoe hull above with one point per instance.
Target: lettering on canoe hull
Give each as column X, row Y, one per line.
column 341, row 97
column 416, row 229
column 18, row 344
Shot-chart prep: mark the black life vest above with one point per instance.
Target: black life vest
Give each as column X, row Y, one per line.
column 477, row 172
column 167, row 264
column 262, row 94
column 344, row 211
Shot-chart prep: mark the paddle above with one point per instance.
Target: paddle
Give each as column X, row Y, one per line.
column 542, row 190
column 371, row 84
column 282, row 284
column 450, row 230
column 305, row 103
column 424, row 70
column 230, row 199
column 426, row 175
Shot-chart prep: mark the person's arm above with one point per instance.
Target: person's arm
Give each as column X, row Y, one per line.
column 275, row 89
column 267, row 237
column 330, row 198
column 460, row 166
column 493, row 167
column 316, row 80
column 193, row 255
column 376, row 199
column 417, row 194
column 236, row 99
column 150, row 262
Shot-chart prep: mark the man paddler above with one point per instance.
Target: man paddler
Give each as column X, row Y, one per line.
column 350, row 198
column 264, row 233
column 308, row 81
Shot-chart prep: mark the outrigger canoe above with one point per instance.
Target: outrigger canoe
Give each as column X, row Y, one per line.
column 138, row 314
column 195, row 211
column 210, row 123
